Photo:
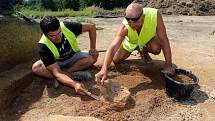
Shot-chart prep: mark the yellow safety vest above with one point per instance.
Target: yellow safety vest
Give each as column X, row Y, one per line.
column 148, row 30
column 70, row 37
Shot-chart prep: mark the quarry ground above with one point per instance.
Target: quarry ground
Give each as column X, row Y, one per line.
column 192, row 40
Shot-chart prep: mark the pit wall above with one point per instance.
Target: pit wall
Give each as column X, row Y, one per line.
column 18, row 50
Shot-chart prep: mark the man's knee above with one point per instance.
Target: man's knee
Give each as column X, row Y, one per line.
column 120, row 57
column 154, row 46
column 155, row 50
column 90, row 61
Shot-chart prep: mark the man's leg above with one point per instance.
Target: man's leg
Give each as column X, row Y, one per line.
column 83, row 61
column 81, row 64
column 78, row 62
column 153, row 46
column 121, row 55
column 39, row 68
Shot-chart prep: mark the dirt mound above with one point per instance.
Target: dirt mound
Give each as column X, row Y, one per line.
column 113, row 92
column 182, row 7
column 148, row 98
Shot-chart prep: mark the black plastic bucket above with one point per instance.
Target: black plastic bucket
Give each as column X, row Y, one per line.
column 179, row 90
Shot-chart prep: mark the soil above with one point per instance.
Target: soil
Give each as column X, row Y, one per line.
column 183, row 7
column 193, row 48
column 182, row 78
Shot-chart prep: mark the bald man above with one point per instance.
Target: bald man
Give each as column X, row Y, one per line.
column 142, row 29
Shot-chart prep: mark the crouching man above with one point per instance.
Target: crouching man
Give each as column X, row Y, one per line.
column 60, row 54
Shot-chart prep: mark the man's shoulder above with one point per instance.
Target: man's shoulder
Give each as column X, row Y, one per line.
column 122, row 31
column 150, row 12
column 42, row 47
column 75, row 27
column 124, row 25
column 45, row 54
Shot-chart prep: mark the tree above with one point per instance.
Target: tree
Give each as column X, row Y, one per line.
column 7, row 5
column 34, row 4
column 49, row 4
column 72, row 4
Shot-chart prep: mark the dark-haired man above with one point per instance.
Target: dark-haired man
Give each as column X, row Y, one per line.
column 142, row 29
column 59, row 51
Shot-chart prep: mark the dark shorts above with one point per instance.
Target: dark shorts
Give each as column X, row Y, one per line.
column 71, row 61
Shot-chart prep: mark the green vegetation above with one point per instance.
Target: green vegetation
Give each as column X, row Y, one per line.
column 90, row 12
column 63, row 13
column 71, row 8
column 56, row 5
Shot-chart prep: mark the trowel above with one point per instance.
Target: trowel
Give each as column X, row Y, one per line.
column 92, row 95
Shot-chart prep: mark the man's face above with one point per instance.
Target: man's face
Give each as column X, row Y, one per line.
column 135, row 22
column 55, row 36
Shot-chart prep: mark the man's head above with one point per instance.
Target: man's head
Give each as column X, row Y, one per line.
column 50, row 26
column 133, row 14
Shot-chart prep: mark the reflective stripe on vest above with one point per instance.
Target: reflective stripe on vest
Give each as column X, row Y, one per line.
column 70, row 37
column 148, row 30
column 128, row 46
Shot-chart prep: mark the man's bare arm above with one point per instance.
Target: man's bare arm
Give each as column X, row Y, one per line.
column 114, row 46
column 165, row 45
column 112, row 49
column 64, row 78
column 91, row 28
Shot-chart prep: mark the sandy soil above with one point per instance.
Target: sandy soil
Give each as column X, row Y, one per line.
column 192, row 41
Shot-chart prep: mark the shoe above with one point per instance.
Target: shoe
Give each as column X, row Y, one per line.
column 81, row 76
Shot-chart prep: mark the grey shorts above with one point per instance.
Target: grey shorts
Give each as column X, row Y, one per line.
column 71, row 61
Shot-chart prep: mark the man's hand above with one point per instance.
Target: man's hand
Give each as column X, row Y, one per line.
column 94, row 53
column 101, row 77
column 169, row 70
column 80, row 89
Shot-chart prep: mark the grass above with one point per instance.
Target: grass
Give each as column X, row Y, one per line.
column 64, row 13
column 89, row 12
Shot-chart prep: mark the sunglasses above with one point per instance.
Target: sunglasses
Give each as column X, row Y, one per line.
column 133, row 19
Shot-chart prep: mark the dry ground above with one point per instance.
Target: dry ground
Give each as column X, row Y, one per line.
column 192, row 41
